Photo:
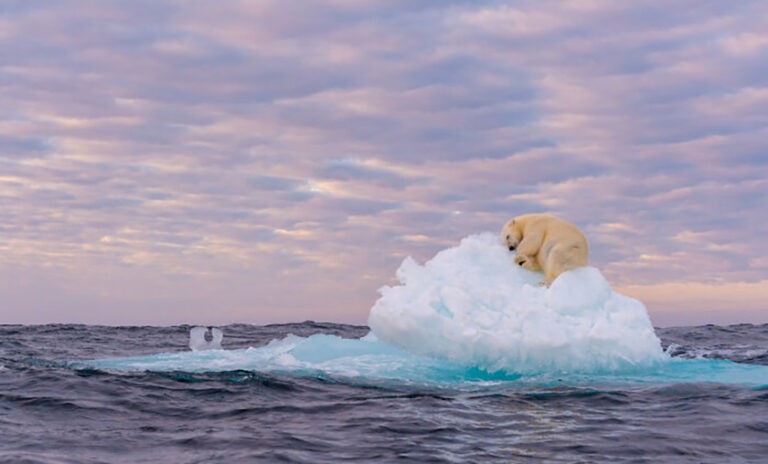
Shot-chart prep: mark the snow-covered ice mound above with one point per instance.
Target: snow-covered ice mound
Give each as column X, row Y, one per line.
column 472, row 305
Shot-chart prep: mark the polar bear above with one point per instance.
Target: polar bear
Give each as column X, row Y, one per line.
column 546, row 244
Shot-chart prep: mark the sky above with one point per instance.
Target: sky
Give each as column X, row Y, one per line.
column 168, row 161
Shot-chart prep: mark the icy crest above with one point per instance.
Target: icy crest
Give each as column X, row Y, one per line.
column 472, row 305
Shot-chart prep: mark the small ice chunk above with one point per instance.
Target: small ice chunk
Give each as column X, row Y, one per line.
column 205, row 338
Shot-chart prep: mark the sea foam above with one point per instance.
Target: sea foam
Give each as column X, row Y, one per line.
column 472, row 305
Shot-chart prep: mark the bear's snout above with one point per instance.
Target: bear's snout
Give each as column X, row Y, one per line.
column 521, row 262
column 511, row 248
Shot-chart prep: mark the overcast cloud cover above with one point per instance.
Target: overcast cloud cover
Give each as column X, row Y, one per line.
column 268, row 161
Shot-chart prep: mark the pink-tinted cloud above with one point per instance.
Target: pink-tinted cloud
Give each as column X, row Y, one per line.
column 176, row 161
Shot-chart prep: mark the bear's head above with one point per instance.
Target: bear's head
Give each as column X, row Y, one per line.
column 511, row 235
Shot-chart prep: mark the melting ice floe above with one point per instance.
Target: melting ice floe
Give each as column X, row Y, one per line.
column 471, row 316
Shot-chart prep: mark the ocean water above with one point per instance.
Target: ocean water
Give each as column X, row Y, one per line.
column 466, row 359
column 300, row 393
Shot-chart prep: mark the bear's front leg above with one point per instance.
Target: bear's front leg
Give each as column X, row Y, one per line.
column 530, row 244
column 525, row 262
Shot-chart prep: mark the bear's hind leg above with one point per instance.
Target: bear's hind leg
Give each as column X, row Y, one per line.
column 557, row 262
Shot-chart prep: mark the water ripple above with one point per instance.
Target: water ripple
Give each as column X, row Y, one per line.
column 51, row 413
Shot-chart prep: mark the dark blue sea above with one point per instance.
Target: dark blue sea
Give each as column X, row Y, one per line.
column 94, row 394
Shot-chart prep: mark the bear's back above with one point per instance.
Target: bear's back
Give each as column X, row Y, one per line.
column 553, row 227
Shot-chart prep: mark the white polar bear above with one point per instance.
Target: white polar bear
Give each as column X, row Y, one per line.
column 545, row 243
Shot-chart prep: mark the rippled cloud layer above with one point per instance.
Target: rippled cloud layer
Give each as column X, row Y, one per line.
column 225, row 161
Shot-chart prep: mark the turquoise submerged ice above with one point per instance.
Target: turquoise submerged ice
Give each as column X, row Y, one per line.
column 471, row 318
column 472, row 305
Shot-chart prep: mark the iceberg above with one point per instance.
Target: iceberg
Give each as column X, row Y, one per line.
column 472, row 305
column 470, row 318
